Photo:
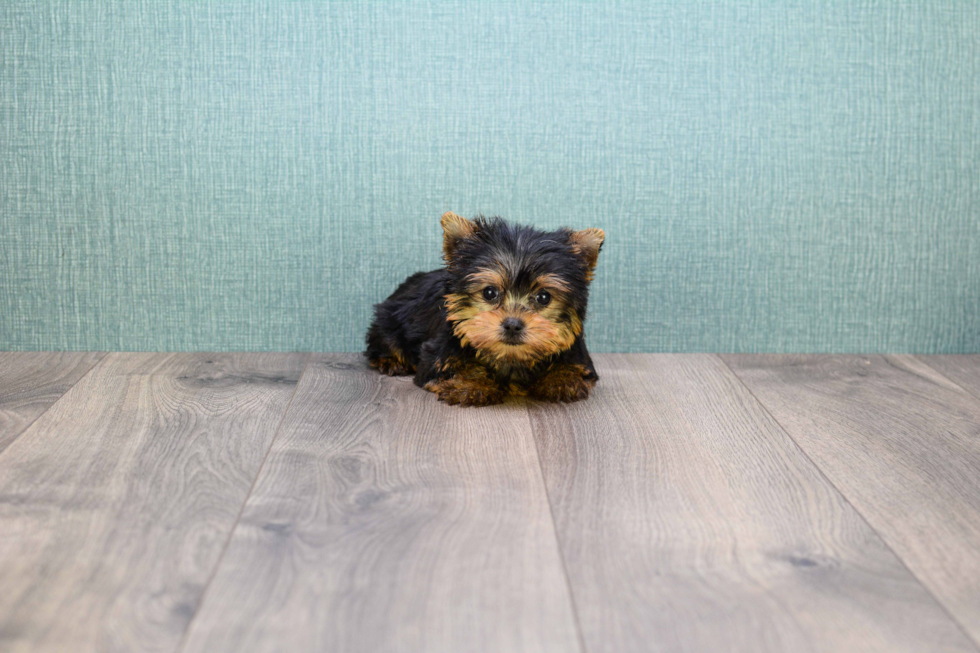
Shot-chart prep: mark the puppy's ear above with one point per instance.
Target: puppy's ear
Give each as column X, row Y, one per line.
column 454, row 229
column 586, row 244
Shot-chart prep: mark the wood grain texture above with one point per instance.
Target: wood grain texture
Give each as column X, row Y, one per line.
column 903, row 445
column 115, row 504
column 689, row 521
column 964, row 369
column 31, row 381
column 384, row 520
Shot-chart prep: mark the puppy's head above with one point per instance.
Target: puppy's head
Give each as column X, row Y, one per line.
column 517, row 295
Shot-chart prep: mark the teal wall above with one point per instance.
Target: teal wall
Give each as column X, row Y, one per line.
column 778, row 176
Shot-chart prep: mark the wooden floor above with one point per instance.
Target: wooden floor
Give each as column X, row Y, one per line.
column 289, row 502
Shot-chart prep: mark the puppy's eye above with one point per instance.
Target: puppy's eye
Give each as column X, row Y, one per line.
column 543, row 297
column 490, row 293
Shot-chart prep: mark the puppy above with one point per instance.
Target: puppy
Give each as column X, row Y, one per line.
column 503, row 317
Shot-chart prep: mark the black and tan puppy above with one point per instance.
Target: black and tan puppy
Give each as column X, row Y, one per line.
column 503, row 317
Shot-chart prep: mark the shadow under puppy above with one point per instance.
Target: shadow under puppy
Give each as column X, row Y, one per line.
column 503, row 317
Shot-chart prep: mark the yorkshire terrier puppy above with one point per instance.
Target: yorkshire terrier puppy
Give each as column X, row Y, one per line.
column 503, row 317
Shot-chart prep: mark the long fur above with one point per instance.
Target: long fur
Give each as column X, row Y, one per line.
column 438, row 324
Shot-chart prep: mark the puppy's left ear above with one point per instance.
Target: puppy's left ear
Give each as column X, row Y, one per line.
column 586, row 244
column 455, row 228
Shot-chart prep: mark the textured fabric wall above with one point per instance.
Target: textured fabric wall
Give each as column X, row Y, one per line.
column 239, row 175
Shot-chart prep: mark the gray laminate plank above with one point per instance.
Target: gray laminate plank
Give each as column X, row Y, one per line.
column 689, row 521
column 30, row 381
column 963, row 369
column 384, row 520
column 903, row 445
column 116, row 503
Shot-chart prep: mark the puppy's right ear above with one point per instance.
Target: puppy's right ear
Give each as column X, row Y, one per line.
column 586, row 244
column 454, row 229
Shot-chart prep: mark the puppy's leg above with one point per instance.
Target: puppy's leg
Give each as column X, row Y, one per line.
column 564, row 382
column 392, row 365
column 384, row 357
column 467, row 384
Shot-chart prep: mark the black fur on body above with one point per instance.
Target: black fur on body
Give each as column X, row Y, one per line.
column 424, row 329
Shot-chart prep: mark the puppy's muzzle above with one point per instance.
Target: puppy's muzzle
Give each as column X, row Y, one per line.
column 512, row 330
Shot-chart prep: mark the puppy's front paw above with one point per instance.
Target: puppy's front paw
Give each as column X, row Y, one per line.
column 564, row 383
column 466, row 392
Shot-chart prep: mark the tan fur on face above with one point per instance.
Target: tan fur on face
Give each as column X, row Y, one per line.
column 480, row 280
column 457, row 310
column 479, row 326
column 550, row 282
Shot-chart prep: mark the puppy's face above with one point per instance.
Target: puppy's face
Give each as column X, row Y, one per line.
column 517, row 295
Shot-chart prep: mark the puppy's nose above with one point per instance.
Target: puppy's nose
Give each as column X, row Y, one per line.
column 512, row 326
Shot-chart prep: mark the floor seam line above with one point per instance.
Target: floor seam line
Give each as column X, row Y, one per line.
column 922, row 359
column 554, row 531
column 928, row 590
column 104, row 356
column 231, row 533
